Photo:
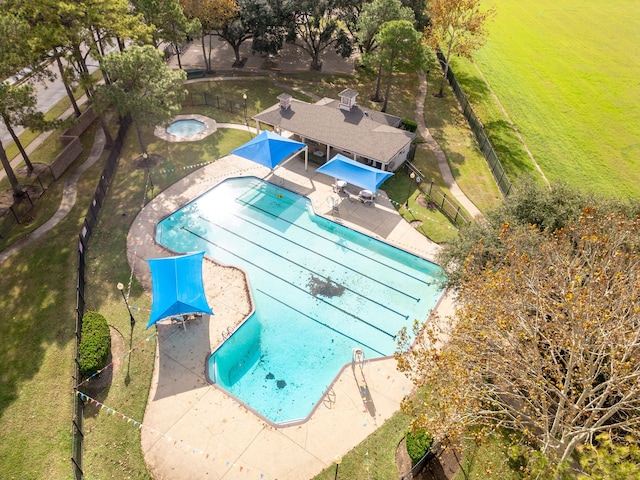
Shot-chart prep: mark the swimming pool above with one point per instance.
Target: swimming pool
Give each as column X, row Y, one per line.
column 320, row 290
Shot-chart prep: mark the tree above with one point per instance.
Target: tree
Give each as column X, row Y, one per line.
column 529, row 204
column 399, row 45
column 608, row 460
column 372, row 17
column 314, row 28
column 72, row 31
column 212, row 15
column 143, row 87
column 14, row 55
column 168, row 21
column 18, row 107
column 457, row 26
column 267, row 21
column 546, row 340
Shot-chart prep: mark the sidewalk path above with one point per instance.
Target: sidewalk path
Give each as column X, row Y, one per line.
column 443, row 165
column 69, row 194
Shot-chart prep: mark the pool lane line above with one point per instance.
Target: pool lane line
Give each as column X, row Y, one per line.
column 416, row 299
column 323, row 324
column 298, row 287
column 247, row 204
column 304, row 268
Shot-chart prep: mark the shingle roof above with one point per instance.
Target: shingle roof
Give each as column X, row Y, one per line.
column 366, row 133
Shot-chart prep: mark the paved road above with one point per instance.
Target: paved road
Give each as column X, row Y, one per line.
column 49, row 93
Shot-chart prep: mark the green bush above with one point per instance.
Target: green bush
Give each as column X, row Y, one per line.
column 95, row 343
column 409, row 124
column 418, row 444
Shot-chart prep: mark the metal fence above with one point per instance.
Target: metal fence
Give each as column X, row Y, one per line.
column 438, row 198
column 83, row 239
column 19, row 212
column 198, row 99
column 504, row 184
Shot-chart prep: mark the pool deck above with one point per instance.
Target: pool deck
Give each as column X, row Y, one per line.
column 193, row 429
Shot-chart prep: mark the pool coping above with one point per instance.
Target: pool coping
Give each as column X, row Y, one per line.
column 227, row 439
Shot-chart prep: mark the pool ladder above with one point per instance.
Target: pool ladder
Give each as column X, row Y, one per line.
column 358, row 357
column 334, row 203
column 226, row 334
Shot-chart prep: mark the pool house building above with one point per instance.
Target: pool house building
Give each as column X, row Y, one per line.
column 332, row 126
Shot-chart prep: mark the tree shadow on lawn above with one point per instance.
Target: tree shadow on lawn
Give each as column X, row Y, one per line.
column 474, row 86
column 36, row 311
column 509, row 149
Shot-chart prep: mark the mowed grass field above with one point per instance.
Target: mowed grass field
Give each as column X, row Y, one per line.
column 568, row 74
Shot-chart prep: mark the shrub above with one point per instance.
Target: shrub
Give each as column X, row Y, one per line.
column 95, row 343
column 418, row 444
column 409, row 125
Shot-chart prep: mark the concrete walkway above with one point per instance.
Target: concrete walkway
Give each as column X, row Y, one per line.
column 69, row 194
column 443, row 164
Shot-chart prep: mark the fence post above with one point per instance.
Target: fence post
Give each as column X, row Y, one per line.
column 14, row 214
column 444, row 196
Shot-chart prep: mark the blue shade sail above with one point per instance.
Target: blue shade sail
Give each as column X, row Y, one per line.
column 355, row 173
column 268, row 149
column 177, row 287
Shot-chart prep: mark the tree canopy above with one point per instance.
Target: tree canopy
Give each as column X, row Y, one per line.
column 142, row 86
column 313, row 27
column 213, row 15
column 546, row 338
column 376, row 13
column 456, row 26
column 399, row 45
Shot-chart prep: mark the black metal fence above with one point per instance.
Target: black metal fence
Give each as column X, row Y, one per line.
column 34, row 188
column 198, row 99
column 504, row 184
column 437, row 197
column 83, row 239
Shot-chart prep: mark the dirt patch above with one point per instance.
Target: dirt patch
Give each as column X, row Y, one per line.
column 443, row 466
column 415, row 223
column 151, row 161
column 38, row 168
column 7, row 199
column 102, row 381
column 241, row 63
column 403, row 461
column 424, row 202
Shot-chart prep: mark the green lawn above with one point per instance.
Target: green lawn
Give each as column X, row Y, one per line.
column 567, row 73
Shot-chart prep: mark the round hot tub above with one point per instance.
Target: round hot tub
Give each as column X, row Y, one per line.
column 185, row 128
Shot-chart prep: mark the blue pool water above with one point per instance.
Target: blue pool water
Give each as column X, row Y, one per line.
column 320, row 290
column 185, row 128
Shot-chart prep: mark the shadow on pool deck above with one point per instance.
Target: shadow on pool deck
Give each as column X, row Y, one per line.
column 194, row 429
